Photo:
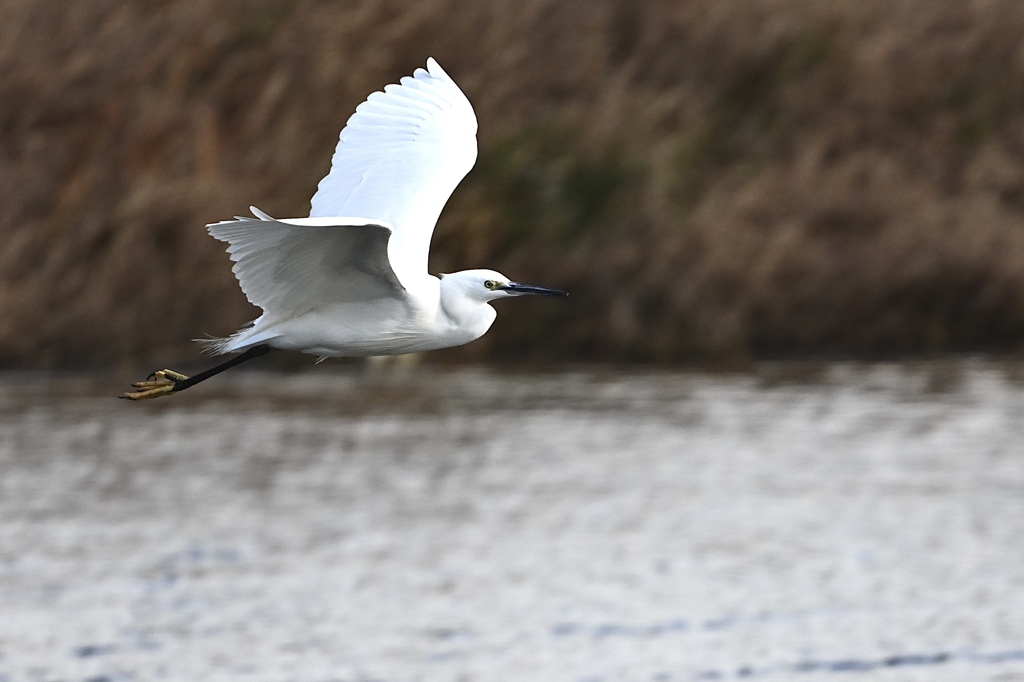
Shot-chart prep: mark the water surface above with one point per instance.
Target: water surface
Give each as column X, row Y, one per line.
column 836, row 522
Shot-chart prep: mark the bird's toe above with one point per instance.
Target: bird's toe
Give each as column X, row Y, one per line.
column 166, row 375
column 159, row 383
column 147, row 393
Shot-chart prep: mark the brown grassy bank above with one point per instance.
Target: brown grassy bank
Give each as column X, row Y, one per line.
column 710, row 179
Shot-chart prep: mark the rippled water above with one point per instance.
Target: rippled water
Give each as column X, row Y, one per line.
column 847, row 522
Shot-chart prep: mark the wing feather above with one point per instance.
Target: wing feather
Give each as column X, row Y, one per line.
column 289, row 267
column 398, row 160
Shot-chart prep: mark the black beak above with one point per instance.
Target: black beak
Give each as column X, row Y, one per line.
column 526, row 290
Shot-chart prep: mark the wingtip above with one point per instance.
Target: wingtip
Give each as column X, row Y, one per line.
column 259, row 214
column 434, row 69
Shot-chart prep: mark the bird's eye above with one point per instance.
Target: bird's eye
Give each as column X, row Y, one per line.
column 490, row 284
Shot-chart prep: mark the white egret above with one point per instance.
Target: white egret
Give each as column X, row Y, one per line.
column 351, row 279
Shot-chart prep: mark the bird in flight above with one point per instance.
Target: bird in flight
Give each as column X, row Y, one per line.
column 351, row 279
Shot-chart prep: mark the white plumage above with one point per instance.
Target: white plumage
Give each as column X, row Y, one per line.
column 342, row 286
column 399, row 159
column 351, row 279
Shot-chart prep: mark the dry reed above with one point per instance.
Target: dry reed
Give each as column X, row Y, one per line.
column 712, row 179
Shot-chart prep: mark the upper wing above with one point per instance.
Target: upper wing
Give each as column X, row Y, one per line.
column 400, row 157
column 294, row 266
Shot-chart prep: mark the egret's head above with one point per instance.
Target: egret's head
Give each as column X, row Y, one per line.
column 486, row 285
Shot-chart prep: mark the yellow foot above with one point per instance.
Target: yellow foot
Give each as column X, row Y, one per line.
column 163, row 382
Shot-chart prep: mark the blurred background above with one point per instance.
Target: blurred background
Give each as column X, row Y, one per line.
column 714, row 180
column 775, row 432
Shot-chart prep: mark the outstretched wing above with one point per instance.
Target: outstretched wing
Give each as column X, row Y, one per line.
column 398, row 161
column 289, row 267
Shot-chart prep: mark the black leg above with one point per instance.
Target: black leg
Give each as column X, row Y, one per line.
column 253, row 352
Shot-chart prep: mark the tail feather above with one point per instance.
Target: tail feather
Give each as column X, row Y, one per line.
column 218, row 346
column 245, row 338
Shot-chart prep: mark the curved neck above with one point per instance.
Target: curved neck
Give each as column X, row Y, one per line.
column 470, row 316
